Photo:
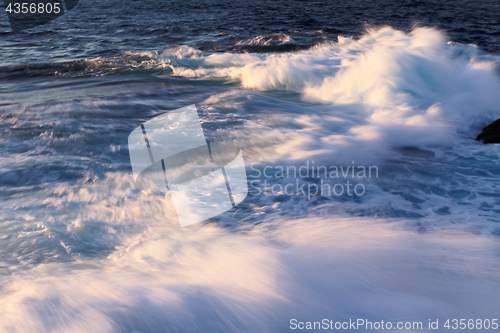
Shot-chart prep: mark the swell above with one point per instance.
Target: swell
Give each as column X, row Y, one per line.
column 149, row 62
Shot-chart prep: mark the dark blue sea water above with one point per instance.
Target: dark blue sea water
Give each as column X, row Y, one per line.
column 401, row 87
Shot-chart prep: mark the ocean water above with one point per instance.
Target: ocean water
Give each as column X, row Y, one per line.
column 398, row 88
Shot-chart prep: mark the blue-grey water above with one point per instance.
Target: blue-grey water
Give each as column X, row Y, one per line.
column 402, row 87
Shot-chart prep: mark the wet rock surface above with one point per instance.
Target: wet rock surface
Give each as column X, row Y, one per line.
column 491, row 133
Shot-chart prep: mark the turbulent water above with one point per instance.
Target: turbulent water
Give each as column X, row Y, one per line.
column 397, row 88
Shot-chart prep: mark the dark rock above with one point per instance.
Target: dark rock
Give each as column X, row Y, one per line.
column 491, row 133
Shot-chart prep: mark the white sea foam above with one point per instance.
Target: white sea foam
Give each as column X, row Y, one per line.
column 208, row 279
column 98, row 254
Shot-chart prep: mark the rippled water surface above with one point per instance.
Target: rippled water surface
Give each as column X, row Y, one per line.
column 403, row 87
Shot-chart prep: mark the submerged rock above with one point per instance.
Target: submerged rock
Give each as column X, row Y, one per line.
column 491, row 133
